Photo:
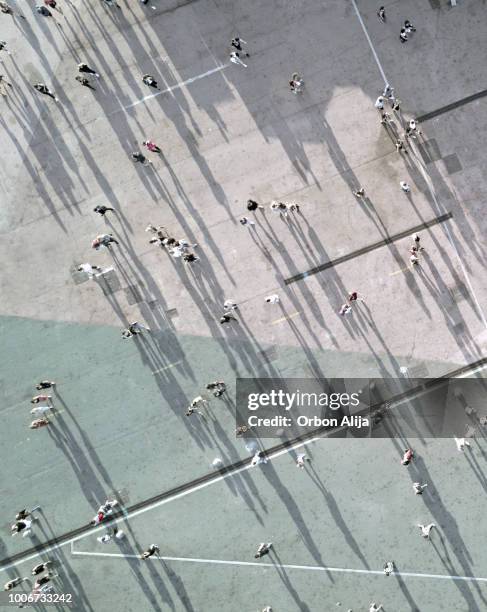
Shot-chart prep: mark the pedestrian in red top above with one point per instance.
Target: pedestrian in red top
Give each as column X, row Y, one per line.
column 98, row 519
column 408, row 455
column 53, row 4
column 354, row 296
column 151, row 146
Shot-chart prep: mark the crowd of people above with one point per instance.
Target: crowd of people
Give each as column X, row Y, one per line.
column 182, row 249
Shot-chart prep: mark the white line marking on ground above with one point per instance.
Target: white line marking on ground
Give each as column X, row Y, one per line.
column 169, row 89
column 315, row 568
column 291, row 316
column 376, row 57
column 94, row 531
column 171, row 365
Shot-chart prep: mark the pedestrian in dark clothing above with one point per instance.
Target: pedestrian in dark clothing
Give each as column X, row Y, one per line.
column 226, row 318
column 85, row 82
column 150, row 81
column 38, row 569
column 253, row 205
column 153, row 548
column 381, row 14
column 44, row 89
column 137, row 156
column 102, row 210
column 82, row 67
column 237, row 43
column 45, row 384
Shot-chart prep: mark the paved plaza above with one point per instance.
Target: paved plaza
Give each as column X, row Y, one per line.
column 229, row 133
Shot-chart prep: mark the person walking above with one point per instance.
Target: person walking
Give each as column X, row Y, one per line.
column 134, row 329
column 40, row 398
column 235, row 59
column 400, row 146
column 11, row 584
column 263, row 549
column 253, row 205
column 44, row 89
column 218, row 387
column 258, row 458
column 43, row 10
column 388, row 567
column 84, row 68
column 137, row 156
column 404, row 186
column 53, row 5
column 38, row 423
column 418, row 488
column 89, row 269
column 426, row 529
column 272, row 299
column 43, row 580
column 246, row 221
column 41, row 567
column 96, row 520
column 190, row 258
column 102, row 210
column 461, row 444
column 153, row 548
column 24, row 513
column 3, row 47
column 151, row 146
column 137, row 328
column 3, row 84
column 300, row 459
column 45, row 384
column 381, row 14
column 403, row 37
column 296, row 84
column 104, row 539
column 8, row 10
column 379, row 103
column 108, row 506
column 103, row 240
column 23, row 526
column 150, row 81
column 417, row 241
column 354, row 296
column 85, row 82
column 237, row 43
column 408, row 26
column 407, row 456
column 414, row 259
column 40, row 411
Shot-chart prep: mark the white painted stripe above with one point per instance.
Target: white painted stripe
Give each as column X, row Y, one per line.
column 102, row 527
column 315, row 568
column 473, row 372
column 169, row 89
column 171, row 365
column 376, row 57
